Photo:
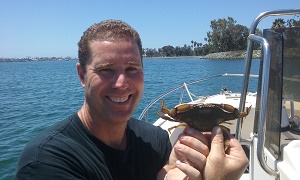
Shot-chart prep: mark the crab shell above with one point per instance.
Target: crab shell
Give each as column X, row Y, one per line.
column 202, row 117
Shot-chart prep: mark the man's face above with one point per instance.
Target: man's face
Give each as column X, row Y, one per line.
column 114, row 80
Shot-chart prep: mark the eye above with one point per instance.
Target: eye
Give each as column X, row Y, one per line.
column 132, row 70
column 104, row 71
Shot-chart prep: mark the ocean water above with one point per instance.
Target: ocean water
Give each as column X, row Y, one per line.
column 34, row 95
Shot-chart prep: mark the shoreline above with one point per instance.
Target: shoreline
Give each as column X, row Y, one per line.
column 232, row 55
column 290, row 53
column 174, row 57
column 221, row 55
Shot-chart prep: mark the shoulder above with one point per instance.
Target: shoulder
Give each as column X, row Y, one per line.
column 149, row 142
column 45, row 143
column 147, row 133
column 63, row 150
column 142, row 127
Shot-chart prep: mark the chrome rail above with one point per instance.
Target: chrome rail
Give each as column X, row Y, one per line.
column 265, row 82
column 249, row 57
column 263, row 104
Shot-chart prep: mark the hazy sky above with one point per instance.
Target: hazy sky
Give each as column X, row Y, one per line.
column 53, row 28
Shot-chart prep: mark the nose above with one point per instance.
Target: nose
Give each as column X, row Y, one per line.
column 121, row 82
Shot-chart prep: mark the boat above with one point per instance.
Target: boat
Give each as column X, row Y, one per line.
column 270, row 134
column 225, row 96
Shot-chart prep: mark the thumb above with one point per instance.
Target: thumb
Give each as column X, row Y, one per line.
column 217, row 140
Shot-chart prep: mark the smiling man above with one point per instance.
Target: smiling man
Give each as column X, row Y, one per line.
column 101, row 140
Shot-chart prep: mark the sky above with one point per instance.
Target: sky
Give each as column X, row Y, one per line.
column 41, row 28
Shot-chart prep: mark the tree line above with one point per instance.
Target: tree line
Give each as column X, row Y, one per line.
column 225, row 35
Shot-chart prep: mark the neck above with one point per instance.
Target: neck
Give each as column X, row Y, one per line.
column 113, row 135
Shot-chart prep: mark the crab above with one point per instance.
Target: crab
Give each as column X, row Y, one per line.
column 202, row 117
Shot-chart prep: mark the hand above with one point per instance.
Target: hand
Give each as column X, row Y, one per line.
column 188, row 156
column 224, row 165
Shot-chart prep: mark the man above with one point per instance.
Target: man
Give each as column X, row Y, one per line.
column 101, row 141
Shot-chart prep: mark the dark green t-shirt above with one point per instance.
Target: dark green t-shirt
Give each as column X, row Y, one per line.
column 67, row 150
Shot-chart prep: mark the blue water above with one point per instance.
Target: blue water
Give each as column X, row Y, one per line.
column 34, row 95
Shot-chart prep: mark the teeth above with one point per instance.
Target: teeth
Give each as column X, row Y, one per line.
column 118, row 100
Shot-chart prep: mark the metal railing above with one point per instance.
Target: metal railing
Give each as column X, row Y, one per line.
column 265, row 82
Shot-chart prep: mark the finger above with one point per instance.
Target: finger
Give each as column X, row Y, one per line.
column 194, row 143
column 176, row 155
column 192, row 157
column 196, row 134
column 217, row 141
column 195, row 139
column 190, row 171
column 175, row 174
column 235, row 148
column 234, row 144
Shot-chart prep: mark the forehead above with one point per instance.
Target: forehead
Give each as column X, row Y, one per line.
column 114, row 50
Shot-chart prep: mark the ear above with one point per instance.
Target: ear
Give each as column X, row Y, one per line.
column 80, row 74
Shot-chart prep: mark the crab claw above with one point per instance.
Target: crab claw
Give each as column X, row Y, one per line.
column 163, row 108
column 244, row 114
column 171, row 112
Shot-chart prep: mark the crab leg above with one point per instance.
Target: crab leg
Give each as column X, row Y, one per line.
column 183, row 107
column 163, row 108
column 226, row 137
column 244, row 114
column 234, row 111
column 181, row 125
column 164, row 116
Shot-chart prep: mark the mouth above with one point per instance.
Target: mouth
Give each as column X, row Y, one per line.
column 119, row 99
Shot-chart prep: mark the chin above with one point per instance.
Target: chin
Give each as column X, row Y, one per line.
column 121, row 117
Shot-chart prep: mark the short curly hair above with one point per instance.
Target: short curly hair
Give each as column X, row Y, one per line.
column 107, row 30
